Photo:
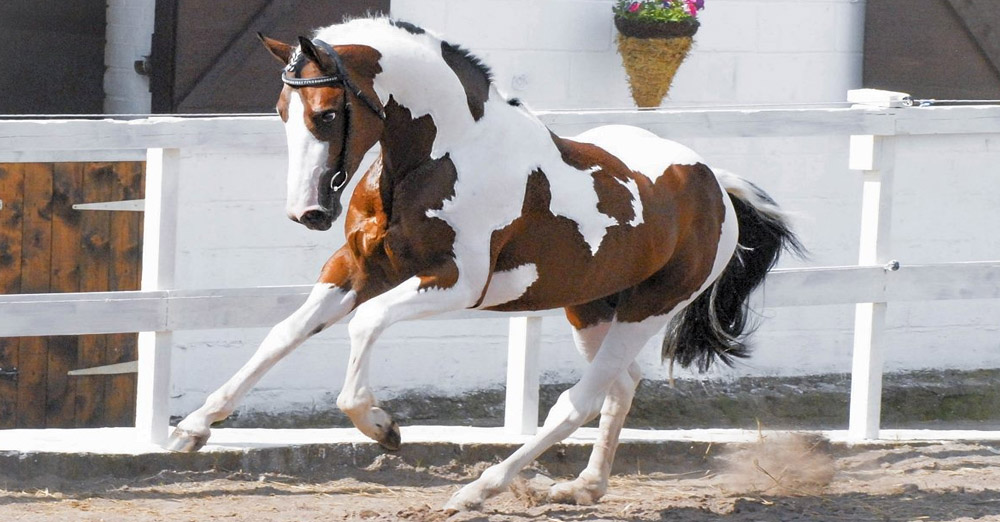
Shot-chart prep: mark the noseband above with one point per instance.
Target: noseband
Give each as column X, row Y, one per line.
column 337, row 78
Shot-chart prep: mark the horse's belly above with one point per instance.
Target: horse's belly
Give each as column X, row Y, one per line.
column 550, row 268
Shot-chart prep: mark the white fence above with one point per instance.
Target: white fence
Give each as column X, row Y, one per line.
column 875, row 126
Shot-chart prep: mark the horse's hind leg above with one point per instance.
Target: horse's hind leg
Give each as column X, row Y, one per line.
column 590, row 326
column 325, row 305
column 574, row 407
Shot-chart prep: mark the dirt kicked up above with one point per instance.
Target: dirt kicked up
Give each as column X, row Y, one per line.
column 777, row 479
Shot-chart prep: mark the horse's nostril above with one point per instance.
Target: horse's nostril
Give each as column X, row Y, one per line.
column 315, row 219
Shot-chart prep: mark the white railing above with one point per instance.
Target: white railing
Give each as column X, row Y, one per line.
column 157, row 310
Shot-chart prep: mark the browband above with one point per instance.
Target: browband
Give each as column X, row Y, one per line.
column 338, row 78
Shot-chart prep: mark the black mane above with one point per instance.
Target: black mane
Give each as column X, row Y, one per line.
column 473, row 60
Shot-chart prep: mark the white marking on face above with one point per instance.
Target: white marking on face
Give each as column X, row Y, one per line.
column 509, row 285
column 307, row 159
column 633, row 189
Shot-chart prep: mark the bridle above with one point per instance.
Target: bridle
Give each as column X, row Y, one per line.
column 337, row 78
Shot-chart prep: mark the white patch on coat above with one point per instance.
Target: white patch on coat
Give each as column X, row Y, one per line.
column 633, row 188
column 641, row 150
column 307, row 159
column 509, row 285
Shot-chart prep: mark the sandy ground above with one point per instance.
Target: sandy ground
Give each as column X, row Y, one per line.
column 774, row 480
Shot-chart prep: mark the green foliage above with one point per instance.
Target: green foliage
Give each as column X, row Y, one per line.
column 659, row 11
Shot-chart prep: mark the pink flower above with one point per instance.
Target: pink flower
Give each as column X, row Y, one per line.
column 633, row 7
column 692, row 7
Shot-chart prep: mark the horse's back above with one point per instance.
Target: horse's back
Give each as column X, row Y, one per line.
column 640, row 150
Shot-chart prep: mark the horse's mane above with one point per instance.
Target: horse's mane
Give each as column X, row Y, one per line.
column 413, row 30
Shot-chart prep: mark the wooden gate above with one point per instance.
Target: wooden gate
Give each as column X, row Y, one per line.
column 47, row 246
column 945, row 49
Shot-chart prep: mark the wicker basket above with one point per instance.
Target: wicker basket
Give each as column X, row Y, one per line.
column 652, row 53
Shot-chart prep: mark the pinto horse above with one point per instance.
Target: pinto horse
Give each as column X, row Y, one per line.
column 474, row 203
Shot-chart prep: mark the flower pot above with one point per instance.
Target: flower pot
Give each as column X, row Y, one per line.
column 652, row 53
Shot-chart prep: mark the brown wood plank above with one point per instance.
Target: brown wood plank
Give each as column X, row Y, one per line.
column 12, row 195
column 67, row 181
column 126, row 258
column 35, row 278
column 95, row 260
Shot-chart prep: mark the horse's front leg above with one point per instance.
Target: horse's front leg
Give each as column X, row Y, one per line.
column 419, row 296
column 326, row 304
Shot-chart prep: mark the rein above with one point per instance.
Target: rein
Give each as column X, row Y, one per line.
column 338, row 78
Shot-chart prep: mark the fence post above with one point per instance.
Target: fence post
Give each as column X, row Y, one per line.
column 523, row 346
column 875, row 157
column 152, row 405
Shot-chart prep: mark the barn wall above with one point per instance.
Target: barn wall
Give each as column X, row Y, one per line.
column 559, row 54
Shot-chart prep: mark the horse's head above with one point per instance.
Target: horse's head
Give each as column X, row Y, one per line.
column 332, row 117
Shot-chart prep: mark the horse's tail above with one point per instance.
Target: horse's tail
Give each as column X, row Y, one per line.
column 713, row 325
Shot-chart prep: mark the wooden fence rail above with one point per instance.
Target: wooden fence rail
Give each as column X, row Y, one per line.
column 875, row 124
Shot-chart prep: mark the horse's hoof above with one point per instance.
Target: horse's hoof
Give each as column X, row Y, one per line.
column 576, row 492
column 392, row 439
column 455, row 506
column 185, row 441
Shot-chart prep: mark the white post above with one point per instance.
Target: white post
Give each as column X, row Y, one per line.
column 875, row 156
column 523, row 346
column 159, row 246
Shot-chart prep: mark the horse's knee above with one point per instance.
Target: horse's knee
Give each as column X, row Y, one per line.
column 574, row 408
column 367, row 323
column 635, row 374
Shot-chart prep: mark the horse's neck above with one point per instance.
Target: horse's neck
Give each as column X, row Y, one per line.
column 444, row 104
column 427, row 122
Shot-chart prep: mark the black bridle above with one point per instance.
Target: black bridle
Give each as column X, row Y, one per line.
column 336, row 78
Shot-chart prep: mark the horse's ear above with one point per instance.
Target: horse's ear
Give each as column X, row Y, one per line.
column 279, row 50
column 325, row 61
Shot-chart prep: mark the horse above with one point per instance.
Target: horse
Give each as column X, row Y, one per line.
column 473, row 203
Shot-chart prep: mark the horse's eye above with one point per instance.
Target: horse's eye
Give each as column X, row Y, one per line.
column 328, row 116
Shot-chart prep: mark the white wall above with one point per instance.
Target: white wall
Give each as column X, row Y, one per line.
column 560, row 54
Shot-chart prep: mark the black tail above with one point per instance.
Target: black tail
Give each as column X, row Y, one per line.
column 714, row 324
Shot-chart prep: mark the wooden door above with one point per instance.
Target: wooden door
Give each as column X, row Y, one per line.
column 943, row 49
column 47, row 246
column 206, row 57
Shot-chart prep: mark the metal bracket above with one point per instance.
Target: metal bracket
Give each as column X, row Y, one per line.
column 109, row 369
column 9, row 373
column 130, row 205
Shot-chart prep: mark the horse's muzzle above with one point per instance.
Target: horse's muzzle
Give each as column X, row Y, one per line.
column 316, row 219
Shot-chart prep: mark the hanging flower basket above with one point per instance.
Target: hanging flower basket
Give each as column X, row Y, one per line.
column 654, row 38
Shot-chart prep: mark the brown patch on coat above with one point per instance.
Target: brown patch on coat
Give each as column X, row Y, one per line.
column 592, row 313
column 390, row 238
column 639, row 271
column 613, row 198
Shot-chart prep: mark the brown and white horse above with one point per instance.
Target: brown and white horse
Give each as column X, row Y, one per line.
column 474, row 203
